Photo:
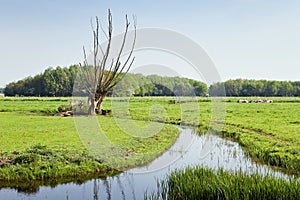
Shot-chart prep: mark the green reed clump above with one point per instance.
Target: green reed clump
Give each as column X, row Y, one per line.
column 204, row 183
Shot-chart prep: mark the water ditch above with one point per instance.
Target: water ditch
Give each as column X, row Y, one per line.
column 188, row 150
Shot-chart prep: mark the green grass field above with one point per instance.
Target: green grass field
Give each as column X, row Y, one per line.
column 268, row 132
column 29, row 131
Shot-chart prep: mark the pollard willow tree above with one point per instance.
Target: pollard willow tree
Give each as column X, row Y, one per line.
column 102, row 73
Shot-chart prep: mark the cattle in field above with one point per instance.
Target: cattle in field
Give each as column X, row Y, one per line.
column 268, row 101
column 257, row 101
column 243, row 101
column 262, row 101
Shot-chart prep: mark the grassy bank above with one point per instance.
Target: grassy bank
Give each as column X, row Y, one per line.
column 203, row 183
column 41, row 163
column 268, row 132
column 35, row 146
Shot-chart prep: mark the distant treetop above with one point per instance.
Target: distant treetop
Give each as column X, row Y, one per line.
column 60, row 81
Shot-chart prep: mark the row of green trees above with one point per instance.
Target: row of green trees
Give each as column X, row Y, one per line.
column 60, row 81
column 243, row 87
column 52, row 82
column 154, row 85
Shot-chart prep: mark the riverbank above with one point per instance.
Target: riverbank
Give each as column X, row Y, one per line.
column 37, row 146
column 268, row 132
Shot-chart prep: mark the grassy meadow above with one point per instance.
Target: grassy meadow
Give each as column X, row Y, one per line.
column 268, row 132
column 36, row 145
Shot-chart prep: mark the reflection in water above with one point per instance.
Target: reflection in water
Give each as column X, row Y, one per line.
column 96, row 190
column 121, row 188
column 190, row 149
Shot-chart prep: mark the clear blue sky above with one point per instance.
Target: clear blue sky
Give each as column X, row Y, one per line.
column 257, row 39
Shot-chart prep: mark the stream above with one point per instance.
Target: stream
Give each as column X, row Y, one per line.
column 188, row 150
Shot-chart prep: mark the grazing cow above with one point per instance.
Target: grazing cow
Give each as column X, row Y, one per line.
column 267, row 101
column 257, row 101
column 262, row 101
column 242, row 101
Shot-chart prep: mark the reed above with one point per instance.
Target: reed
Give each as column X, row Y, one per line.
column 203, row 183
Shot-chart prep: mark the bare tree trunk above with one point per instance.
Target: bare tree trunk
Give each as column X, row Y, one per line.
column 95, row 106
column 99, row 103
column 92, row 105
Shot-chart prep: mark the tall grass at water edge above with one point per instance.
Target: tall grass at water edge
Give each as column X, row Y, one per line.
column 204, row 183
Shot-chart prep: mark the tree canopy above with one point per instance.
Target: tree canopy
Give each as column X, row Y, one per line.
column 52, row 82
column 59, row 82
column 244, row 87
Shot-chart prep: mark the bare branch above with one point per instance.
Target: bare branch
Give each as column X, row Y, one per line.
column 104, row 60
column 97, row 80
column 118, row 74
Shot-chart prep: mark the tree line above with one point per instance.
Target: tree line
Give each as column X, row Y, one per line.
column 59, row 82
column 244, row 87
column 52, row 82
column 154, row 85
